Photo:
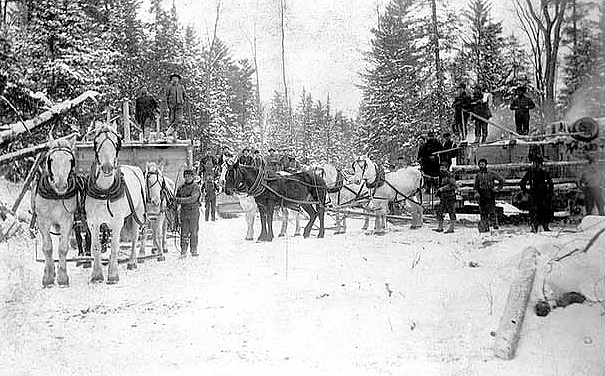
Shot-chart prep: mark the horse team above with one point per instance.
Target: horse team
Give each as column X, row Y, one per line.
column 121, row 195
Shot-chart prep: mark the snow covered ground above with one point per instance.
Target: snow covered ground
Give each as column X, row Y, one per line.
column 407, row 303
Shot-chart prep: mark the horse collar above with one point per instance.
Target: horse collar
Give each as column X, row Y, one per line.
column 46, row 191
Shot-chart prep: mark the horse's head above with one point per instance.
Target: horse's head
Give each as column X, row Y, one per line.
column 155, row 182
column 329, row 173
column 232, row 176
column 364, row 169
column 107, row 144
column 60, row 163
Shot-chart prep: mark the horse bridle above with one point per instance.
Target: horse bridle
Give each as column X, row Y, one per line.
column 49, row 160
column 116, row 145
column 161, row 182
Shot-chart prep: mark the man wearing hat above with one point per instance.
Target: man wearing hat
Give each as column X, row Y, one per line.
column 540, row 192
column 175, row 101
column 272, row 162
column 188, row 197
column 209, row 165
column 447, row 198
column 145, row 111
column 485, row 186
column 246, row 157
column 521, row 105
column 462, row 104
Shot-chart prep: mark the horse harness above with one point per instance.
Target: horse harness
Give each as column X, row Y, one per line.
column 165, row 195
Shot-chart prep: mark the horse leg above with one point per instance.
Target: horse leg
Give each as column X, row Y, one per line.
column 284, row 222
column 270, row 211
column 297, row 219
column 97, row 272
column 48, row 280
column 158, row 237
column 416, row 211
column 62, row 277
column 112, row 270
column 132, row 261
column 312, row 215
column 320, row 214
column 344, row 224
column 366, row 223
column 164, row 231
column 250, row 214
column 143, row 239
column 338, row 221
column 263, row 223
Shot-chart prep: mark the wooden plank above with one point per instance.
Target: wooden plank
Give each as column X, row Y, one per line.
column 30, row 150
column 28, row 180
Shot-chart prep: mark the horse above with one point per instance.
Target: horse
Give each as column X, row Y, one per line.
column 55, row 201
column 397, row 186
column 248, row 205
column 341, row 194
column 114, row 193
column 269, row 189
column 160, row 193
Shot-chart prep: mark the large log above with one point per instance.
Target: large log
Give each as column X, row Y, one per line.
column 511, row 322
column 15, row 129
column 28, row 180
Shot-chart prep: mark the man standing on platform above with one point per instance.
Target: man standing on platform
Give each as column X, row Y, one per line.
column 272, row 162
column 521, row 105
column 175, row 101
column 462, row 104
column 146, row 108
column 188, row 197
column 485, row 186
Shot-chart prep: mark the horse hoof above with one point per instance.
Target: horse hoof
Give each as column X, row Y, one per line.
column 140, row 260
column 165, row 251
column 86, row 264
column 47, row 285
column 249, row 239
column 161, row 258
column 414, row 227
column 112, row 280
column 129, row 267
column 379, row 233
column 320, row 236
column 154, row 250
column 295, row 235
column 280, row 235
column 63, row 282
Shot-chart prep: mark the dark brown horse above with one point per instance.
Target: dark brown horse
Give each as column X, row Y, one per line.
column 271, row 190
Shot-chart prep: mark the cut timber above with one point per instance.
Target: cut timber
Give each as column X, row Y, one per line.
column 30, row 150
column 511, row 322
column 15, row 129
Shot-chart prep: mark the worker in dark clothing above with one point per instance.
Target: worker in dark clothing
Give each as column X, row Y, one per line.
column 208, row 164
column 429, row 162
column 591, row 182
column 272, row 162
column 258, row 160
column 246, row 158
column 481, row 108
column 225, row 154
column 540, row 192
column 448, row 144
column 290, row 164
column 209, row 189
column 485, row 186
column 447, row 198
column 175, row 101
column 146, row 108
column 188, row 197
column 521, row 105
column 462, row 104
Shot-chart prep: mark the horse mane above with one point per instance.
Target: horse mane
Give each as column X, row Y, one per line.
column 59, row 143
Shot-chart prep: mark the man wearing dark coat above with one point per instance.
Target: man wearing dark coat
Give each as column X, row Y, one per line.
column 540, row 192
column 481, row 108
column 209, row 189
column 429, row 162
column 246, row 158
column 175, row 101
column 485, row 188
column 188, row 197
column 448, row 144
column 462, row 103
column 146, row 108
column 272, row 162
column 521, row 105
column 447, row 198
column 208, row 165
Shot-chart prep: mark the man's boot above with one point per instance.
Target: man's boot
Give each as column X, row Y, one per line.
column 194, row 252
column 450, row 229
column 439, row 226
column 184, row 247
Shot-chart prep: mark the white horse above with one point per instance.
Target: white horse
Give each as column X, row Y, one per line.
column 248, row 205
column 114, row 193
column 54, row 202
column 341, row 194
column 403, row 185
column 160, row 191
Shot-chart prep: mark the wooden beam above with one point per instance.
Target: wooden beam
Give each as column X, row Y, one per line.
column 28, row 180
column 30, row 150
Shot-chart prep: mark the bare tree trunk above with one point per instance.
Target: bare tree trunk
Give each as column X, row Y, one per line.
column 438, row 65
column 282, row 6
column 259, row 109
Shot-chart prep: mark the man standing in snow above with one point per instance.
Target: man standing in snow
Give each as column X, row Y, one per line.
column 175, row 101
column 209, row 190
column 188, row 197
column 485, row 186
column 447, row 198
column 540, row 192
column 521, row 105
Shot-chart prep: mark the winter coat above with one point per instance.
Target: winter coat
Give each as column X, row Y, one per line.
column 175, row 95
column 188, row 195
column 272, row 163
column 461, row 102
column 447, row 186
column 485, row 182
column 540, row 183
column 210, row 188
column 521, row 105
column 145, row 108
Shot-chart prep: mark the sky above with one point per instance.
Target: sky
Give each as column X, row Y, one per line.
column 325, row 41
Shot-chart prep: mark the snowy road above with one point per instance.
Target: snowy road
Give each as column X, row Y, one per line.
column 407, row 303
